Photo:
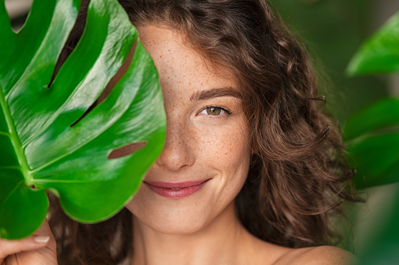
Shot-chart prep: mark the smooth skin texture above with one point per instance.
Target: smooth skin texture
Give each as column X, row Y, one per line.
column 38, row 249
column 201, row 143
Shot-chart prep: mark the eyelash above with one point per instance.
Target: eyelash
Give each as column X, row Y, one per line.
column 223, row 109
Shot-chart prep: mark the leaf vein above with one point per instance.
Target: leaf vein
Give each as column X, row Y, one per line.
column 9, row 195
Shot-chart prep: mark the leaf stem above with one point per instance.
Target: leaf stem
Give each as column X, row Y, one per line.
column 15, row 141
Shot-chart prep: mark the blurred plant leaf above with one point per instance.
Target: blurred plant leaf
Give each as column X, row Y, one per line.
column 372, row 138
column 372, row 133
column 379, row 54
column 44, row 140
column 382, row 114
column 376, row 159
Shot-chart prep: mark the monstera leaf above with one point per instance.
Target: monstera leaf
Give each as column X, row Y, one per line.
column 51, row 136
column 379, row 54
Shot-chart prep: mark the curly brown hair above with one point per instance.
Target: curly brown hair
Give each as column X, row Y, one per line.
column 298, row 173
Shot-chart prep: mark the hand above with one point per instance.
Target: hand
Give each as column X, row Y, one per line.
column 38, row 249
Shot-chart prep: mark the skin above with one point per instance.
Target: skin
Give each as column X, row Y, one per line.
column 203, row 227
column 38, row 249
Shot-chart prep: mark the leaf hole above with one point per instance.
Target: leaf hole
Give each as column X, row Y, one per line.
column 111, row 84
column 73, row 40
column 32, row 187
column 126, row 150
column 18, row 12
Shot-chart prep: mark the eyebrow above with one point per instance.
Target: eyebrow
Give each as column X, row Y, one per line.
column 215, row 92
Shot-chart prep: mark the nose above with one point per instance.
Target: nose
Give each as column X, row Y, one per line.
column 176, row 153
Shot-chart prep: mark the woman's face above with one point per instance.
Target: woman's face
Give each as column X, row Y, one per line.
column 206, row 156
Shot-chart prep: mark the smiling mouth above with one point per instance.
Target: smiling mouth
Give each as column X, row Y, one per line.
column 175, row 190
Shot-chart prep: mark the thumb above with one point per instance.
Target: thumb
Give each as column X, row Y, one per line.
column 43, row 232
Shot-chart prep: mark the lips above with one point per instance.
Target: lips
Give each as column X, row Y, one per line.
column 175, row 190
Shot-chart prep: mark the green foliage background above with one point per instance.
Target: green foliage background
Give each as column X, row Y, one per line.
column 333, row 30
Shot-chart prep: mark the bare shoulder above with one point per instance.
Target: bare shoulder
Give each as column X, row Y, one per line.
column 325, row 255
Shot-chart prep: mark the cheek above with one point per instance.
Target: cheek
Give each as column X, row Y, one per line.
column 222, row 145
column 226, row 149
column 140, row 204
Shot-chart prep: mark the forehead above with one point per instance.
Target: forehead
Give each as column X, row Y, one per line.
column 180, row 67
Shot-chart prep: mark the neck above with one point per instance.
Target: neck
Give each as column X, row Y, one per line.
column 222, row 241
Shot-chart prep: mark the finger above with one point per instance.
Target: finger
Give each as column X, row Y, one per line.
column 44, row 230
column 9, row 247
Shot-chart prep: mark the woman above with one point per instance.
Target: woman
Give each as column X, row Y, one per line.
column 252, row 172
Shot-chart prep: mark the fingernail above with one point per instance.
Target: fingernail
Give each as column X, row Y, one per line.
column 42, row 239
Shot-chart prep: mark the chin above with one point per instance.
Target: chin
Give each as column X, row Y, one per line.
column 173, row 216
column 182, row 225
